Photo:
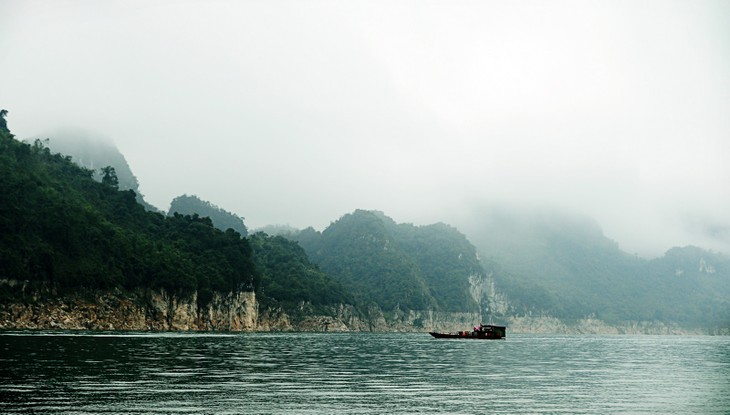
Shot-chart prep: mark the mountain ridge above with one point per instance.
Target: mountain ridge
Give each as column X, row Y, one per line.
column 61, row 228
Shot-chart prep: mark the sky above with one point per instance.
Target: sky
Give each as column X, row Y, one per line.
column 298, row 112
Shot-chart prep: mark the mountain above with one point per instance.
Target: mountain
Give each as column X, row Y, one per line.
column 66, row 238
column 64, row 233
column 549, row 263
column 222, row 219
column 94, row 152
column 62, row 229
column 397, row 266
column 694, row 285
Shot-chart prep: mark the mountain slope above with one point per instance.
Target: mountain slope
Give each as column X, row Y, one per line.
column 397, row 266
column 95, row 153
column 59, row 227
column 289, row 278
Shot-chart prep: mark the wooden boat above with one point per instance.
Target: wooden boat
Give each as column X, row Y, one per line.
column 481, row 332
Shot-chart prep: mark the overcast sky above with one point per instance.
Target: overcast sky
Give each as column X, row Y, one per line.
column 297, row 112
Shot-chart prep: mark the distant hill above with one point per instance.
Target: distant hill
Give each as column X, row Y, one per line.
column 562, row 265
column 222, row 219
column 694, row 285
column 396, row 266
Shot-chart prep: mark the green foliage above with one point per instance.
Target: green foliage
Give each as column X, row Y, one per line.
column 396, row 266
column 288, row 277
column 446, row 260
column 3, row 122
column 222, row 219
column 58, row 226
column 90, row 150
column 109, row 177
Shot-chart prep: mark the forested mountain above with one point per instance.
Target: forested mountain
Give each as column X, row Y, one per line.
column 445, row 259
column 561, row 265
column 694, row 285
column 396, row 266
column 95, row 153
column 60, row 227
column 222, row 219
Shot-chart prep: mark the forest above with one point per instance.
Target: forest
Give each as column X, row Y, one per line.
column 61, row 227
column 397, row 265
column 222, row 219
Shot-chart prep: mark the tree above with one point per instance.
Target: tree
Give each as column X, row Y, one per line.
column 109, row 177
column 3, row 123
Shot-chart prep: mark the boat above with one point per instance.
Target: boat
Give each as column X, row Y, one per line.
column 480, row 332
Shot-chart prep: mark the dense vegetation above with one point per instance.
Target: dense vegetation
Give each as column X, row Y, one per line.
column 396, row 266
column 222, row 219
column 95, row 153
column 289, row 278
column 58, row 226
column 61, row 228
column 445, row 259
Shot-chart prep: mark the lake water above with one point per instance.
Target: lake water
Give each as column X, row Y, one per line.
column 361, row 373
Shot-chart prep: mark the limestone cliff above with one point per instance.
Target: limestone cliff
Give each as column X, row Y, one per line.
column 240, row 312
column 139, row 310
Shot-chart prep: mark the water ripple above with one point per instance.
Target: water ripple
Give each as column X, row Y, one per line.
column 361, row 373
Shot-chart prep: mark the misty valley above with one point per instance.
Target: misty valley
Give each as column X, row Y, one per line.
column 81, row 249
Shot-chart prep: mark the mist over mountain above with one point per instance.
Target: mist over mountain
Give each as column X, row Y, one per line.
column 62, row 228
column 296, row 112
column 561, row 264
column 94, row 152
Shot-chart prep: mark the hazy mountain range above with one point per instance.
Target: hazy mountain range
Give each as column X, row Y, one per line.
column 542, row 263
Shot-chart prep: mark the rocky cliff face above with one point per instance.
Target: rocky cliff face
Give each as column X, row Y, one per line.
column 240, row 312
column 150, row 310
column 492, row 303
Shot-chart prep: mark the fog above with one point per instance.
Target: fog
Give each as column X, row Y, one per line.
column 297, row 112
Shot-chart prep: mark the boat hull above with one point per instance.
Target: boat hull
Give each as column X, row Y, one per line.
column 483, row 332
column 466, row 336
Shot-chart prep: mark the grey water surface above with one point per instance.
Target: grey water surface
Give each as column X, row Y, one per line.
column 360, row 373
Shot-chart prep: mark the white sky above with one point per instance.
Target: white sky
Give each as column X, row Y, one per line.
column 297, row 112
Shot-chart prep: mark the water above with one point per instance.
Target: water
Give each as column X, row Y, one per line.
column 362, row 373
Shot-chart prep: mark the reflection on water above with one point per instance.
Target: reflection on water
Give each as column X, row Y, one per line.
column 361, row 373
